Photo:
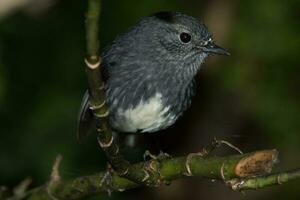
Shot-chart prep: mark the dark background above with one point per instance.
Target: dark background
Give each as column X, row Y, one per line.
column 251, row 98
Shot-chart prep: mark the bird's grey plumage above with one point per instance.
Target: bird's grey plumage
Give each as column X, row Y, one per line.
column 150, row 69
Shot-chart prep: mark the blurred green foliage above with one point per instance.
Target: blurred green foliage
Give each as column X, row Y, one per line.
column 267, row 42
column 42, row 80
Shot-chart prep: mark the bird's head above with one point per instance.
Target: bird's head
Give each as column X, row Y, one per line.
column 166, row 44
column 185, row 40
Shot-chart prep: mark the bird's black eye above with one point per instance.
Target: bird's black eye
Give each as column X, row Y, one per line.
column 185, row 37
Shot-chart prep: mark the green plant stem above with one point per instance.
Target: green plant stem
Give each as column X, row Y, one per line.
column 263, row 181
column 92, row 30
column 96, row 89
column 169, row 169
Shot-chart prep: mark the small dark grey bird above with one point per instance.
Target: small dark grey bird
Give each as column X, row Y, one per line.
column 149, row 72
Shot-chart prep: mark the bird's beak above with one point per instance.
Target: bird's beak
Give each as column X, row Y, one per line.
column 212, row 48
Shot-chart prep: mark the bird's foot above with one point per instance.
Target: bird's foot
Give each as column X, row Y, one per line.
column 152, row 166
column 161, row 156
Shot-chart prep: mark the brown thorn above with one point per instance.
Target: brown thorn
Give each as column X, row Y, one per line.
column 146, row 177
column 230, row 145
column 91, row 65
column 106, row 145
column 102, row 115
column 96, row 107
column 20, row 190
column 204, row 151
column 99, row 130
column 54, row 177
column 102, row 87
column 187, row 162
column 278, row 179
column 55, row 169
column 124, row 173
column 121, row 189
column 150, row 155
column 187, row 165
column 117, row 150
column 152, row 167
column 235, row 184
column 222, row 172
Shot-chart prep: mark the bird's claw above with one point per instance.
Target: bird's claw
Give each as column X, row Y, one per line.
column 161, row 156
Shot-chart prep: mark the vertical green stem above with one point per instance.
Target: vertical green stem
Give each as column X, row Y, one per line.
column 92, row 30
column 97, row 98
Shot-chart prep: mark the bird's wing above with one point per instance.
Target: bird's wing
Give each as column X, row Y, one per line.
column 85, row 117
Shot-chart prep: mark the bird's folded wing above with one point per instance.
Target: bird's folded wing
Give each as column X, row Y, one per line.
column 85, row 117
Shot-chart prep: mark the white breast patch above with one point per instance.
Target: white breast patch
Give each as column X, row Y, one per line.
column 147, row 116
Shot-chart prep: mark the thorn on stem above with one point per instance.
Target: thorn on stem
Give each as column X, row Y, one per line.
column 21, row 189
column 188, row 162
column 148, row 154
column 279, row 179
column 92, row 65
column 222, row 172
column 124, row 173
column 54, row 177
column 146, row 177
column 55, row 169
column 97, row 107
column 161, row 156
column 235, row 184
column 105, row 145
column 216, row 144
column 103, row 115
column 219, row 142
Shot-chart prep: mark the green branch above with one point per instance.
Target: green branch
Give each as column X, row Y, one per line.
column 159, row 172
column 233, row 170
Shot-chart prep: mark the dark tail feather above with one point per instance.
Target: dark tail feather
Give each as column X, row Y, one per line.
column 85, row 117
